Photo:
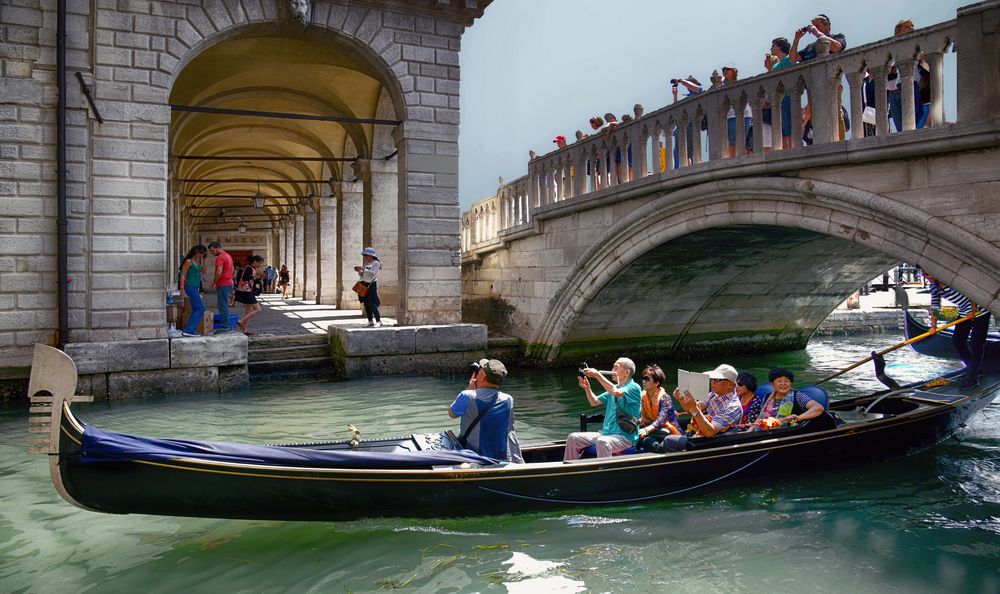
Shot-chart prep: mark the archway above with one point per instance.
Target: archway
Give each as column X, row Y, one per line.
column 273, row 132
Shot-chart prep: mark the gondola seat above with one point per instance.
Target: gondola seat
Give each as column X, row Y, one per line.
column 815, row 392
column 591, row 450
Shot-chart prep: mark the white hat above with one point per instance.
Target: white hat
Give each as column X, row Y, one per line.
column 723, row 372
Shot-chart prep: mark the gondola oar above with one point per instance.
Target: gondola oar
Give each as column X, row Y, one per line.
column 930, row 332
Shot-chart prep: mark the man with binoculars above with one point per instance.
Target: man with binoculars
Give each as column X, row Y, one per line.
column 487, row 413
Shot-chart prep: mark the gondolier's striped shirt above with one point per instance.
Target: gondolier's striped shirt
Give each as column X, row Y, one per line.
column 939, row 290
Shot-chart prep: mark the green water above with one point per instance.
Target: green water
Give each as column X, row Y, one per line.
column 926, row 523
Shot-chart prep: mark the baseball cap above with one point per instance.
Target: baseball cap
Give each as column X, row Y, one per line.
column 493, row 369
column 723, row 372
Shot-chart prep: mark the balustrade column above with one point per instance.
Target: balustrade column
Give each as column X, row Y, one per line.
column 777, row 140
column 881, row 100
column 696, row 131
column 668, row 144
column 936, row 62
column 796, row 99
column 741, row 125
column 905, row 69
column 640, row 156
column 682, row 144
column 532, row 184
column 758, row 133
column 579, row 172
column 855, row 80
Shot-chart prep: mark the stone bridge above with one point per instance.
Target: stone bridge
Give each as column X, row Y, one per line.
column 609, row 241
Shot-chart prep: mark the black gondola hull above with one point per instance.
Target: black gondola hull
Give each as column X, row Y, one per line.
column 188, row 487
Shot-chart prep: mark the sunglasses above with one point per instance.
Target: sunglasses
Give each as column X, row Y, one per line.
column 646, row 378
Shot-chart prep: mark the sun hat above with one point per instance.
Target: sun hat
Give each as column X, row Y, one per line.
column 369, row 251
column 723, row 372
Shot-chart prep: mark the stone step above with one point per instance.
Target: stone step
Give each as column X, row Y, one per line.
column 308, row 366
column 279, row 341
column 288, row 352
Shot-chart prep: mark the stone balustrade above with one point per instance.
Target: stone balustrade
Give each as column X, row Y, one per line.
column 613, row 161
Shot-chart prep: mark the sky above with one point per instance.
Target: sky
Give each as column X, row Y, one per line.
column 532, row 69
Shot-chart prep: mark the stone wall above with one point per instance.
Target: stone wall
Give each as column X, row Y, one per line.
column 128, row 369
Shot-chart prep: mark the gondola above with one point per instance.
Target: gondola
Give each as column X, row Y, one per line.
column 428, row 475
column 940, row 344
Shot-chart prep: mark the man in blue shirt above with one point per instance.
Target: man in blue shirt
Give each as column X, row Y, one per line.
column 487, row 414
column 625, row 395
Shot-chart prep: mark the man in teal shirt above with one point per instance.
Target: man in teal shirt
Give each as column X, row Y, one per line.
column 625, row 395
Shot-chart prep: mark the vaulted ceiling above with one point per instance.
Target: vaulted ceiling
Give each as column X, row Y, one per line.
column 217, row 158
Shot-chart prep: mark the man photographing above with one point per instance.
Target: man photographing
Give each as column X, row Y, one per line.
column 625, row 395
column 487, row 413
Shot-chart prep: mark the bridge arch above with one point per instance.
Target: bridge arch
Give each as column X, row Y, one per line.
column 858, row 229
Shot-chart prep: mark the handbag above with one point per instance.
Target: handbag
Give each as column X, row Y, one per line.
column 245, row 286
column 627, row 422
column 360, row 288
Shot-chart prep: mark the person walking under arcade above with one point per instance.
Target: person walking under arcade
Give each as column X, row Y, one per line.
column 191, row 287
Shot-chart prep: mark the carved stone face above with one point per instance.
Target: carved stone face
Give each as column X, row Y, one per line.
column 301, row 10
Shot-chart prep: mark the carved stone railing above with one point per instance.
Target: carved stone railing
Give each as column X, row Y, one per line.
column 605, row 163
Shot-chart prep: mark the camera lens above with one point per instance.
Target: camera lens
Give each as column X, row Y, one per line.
column 474, row 366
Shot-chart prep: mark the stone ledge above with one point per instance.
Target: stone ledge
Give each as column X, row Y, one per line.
column 361, row 352
column 209, row 351
column 111, row 357
column 358, row 342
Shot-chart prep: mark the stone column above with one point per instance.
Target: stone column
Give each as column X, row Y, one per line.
column 978, row 62
column 350, row 225
column 298, row 272
column 310, row 245
column 381, row 226
column 430, row 275
column 328, row 269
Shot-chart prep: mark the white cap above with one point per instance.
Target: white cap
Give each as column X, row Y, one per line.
column 723, row 372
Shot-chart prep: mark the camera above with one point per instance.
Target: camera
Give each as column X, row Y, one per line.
column 674, row 81
column 805, row 29
column 474, row 366
column 582, row 367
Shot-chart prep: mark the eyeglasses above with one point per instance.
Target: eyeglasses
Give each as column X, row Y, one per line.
column 740, row 385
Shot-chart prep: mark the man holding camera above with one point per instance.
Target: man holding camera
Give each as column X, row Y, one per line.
column 625, row 396
column 487, row 413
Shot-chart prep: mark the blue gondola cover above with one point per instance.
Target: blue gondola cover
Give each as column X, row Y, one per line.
column 103, row 446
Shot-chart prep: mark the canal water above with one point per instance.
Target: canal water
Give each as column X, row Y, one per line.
column 926, row 523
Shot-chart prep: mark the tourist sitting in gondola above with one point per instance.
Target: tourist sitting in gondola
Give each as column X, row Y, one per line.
column 746, row 389
column 488, row 424
column 658, row 418
column 786, row 404
column 719, row 414
column 625, row 396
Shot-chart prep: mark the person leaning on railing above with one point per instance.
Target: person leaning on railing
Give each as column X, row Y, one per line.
column 820, row 29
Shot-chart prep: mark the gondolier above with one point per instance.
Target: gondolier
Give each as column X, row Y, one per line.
column 971, row 351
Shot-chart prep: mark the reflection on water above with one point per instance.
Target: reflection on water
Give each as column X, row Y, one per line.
column 926, row 523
